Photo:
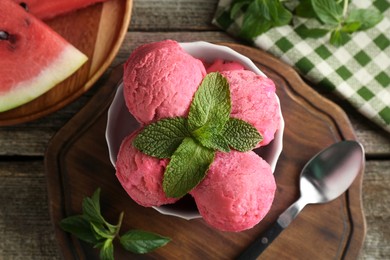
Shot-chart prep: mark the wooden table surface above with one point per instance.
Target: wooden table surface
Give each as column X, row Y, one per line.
column 25, row 228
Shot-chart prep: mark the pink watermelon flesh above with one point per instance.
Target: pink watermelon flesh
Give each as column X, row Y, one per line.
column 34, row 58
column 46, row 9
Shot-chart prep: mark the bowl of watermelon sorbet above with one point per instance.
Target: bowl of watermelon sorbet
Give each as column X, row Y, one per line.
column 123, row 125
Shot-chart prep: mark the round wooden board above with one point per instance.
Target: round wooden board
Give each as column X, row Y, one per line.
column 77, row 163
column 98, row 31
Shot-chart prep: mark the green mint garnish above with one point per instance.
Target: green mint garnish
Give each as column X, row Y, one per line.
column 334, row 17
column 188, row 166
column 211, row 105
column 241, row 135
column 191, row 142
column 162, row 138
column 92, row 228
column 209, row 111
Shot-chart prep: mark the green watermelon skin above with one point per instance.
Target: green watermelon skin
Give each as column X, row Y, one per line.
column 47, row 9
column 34, row 58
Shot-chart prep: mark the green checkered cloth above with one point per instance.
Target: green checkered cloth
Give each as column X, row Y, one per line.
column 358, row 71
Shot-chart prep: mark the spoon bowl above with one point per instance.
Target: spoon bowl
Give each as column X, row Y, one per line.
column 329, row 173
column 324, row 178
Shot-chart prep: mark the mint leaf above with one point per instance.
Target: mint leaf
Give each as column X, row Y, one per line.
column 280, row 15
column 187, row 167
column 254, row 25
column 209, row 111
column 351, row 27
column 241, row 135
column 101, row 231
column 80, row 227
column 305, row 9
column 237, row 6
column 338, row 38
column 161, row 139
column 91, row 208
column 260, row 16
column 211, row 105
column 217, row 142
column 210, row 137
column 141, row 242
column 305, row 32
column 367, row 17
column 328, row 11
column 107, row 250
column 273, row 11
column 92, row 228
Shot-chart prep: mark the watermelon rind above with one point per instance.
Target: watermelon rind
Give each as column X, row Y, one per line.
column 67, row 62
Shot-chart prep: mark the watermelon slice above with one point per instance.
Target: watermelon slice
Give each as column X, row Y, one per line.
column 34, row 58
column 46, row 9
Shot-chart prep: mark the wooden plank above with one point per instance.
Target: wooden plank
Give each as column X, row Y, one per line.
column 376, row 201
column 31, row 139
column 173, row 15
column 25, row 226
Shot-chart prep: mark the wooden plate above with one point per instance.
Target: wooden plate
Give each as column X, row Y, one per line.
column 77, row 163
column 98, row 31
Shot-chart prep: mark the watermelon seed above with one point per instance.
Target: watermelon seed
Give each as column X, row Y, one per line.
column 24, row 5
column 4, row 35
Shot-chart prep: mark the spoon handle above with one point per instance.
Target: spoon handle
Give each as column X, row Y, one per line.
column 269, row 235
column 261, row 243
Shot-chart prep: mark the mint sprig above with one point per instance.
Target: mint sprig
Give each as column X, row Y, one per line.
column 92, row 228
column 187, row 167
column 241, row 135
column 209, row 112
column 191, row 143
column 334, row 17
column 141, row 242
column 260, row 16
column 162, row 138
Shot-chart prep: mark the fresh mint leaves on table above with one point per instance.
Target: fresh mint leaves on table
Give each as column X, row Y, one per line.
column 260, row 16
column 92, row 228
column 334, row 17
column 191, row 143
column 357, row 71
column 337, row 20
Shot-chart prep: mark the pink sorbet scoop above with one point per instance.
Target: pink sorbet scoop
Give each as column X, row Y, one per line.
column 254, row 101
column 160, row 80
column 237, row 192
column 141, row 175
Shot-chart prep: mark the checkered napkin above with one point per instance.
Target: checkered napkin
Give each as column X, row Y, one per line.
column 358, row 71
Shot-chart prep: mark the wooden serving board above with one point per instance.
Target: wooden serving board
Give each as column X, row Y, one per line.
column 77, row 163
column 98, row 31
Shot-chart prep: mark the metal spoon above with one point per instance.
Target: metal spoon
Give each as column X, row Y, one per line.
column 324, row 178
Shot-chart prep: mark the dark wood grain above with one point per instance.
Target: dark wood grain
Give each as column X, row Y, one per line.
column 174, row 15
column 75, row 171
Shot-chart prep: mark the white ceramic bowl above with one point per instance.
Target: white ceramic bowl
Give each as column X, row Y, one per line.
column 120, row 123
